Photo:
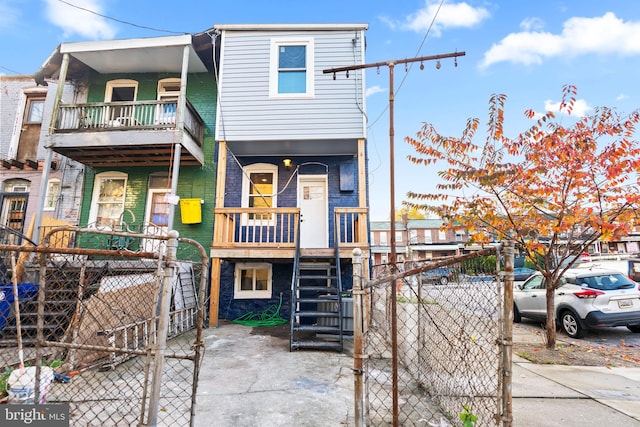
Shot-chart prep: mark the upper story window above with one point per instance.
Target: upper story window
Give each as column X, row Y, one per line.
column 398, row 236
column 383, row 237
column 291, row 69
column 35, row 107
column 413, row 236
column 168, row 93
column 427, row 236
column 442, row 235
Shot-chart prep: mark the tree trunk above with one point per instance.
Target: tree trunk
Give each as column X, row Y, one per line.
column 551, row 317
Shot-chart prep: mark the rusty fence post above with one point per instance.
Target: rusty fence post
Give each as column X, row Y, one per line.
column 507, row 334
column 358, row 389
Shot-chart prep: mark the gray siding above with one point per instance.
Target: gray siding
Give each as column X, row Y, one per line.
column 247, row 114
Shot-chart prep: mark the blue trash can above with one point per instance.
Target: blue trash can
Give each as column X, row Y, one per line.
column 26, row 291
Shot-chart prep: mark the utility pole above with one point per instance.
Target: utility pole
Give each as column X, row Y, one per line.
column 392, row 208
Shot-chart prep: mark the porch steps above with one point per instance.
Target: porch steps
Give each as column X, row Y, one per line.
column 316, row 313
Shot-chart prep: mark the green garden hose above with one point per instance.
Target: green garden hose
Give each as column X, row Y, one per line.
column 269, row 317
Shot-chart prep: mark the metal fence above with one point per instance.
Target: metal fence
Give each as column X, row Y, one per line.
column 431, row 345
column 112, row 332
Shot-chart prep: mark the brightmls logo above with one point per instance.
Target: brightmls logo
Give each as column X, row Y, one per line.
column 34, row 415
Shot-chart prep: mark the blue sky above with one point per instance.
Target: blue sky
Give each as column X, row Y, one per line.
column 526, row 50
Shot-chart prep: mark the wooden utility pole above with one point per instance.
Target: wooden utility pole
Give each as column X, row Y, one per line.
column 392, row 208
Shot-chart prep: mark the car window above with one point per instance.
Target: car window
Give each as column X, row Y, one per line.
column 606, row 282
column 536, row 282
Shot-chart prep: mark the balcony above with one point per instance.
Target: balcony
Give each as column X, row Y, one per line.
column 139, row 133
column 273, row 232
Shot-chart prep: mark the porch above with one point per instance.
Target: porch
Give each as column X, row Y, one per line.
column 132, row 133
column 263, row 233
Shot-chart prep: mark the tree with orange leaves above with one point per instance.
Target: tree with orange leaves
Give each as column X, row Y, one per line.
column 555, row 189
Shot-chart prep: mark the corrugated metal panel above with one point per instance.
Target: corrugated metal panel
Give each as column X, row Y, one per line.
column 247, row 112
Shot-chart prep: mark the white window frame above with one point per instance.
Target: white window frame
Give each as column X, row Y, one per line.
column 246, row 186
column 427, row 236
column 253, row 294
column 111, row 84
column 31, row 102
column 310, row 67
column 442, row 235
column 50, row 203
column 398, row 236
column 383, row 237
column 413, row 236
column 162, row 117
column 93, row 211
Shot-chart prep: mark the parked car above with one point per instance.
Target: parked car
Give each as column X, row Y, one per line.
column 521, row 274
column 585, row 299
column 438, row 275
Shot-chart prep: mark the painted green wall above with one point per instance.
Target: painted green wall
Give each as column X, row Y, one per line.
column 193, row 182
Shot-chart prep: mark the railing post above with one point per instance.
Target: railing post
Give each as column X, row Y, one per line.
column 163, row 326
column 358, row 388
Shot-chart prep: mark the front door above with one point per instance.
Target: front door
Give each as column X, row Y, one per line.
column 312, row 201
column 156, row 218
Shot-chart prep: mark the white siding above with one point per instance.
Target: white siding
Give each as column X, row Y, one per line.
column 245, row 111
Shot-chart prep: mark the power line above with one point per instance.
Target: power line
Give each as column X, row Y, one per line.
column 10, row 70
column 119, row 20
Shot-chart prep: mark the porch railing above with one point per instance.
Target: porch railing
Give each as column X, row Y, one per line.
column 130, row 115
column 278, row 227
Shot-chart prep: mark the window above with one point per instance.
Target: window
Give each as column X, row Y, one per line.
column 413, row 236
column 291, row 73
column 35, row 107
column 258, row 189
column 124, row 92
column 53, row 193
column 253, row 280
column 398, row 236
column 168, row 93
column 383, row 237
column 427, row 236
column 442, row 235
column 107, row 202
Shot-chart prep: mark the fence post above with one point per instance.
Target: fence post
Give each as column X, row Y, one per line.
column 507, row 334
column 163, row 326
column 358, row 390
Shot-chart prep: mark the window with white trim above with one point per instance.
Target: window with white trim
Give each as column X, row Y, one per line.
column 259, row 189
column 427, row 236
column 383, row 237
column 442, row 235
column 253, row 280
column 34, row 110
column 52, row 195
column 398, row 236
column 291, row 68
column 107, row 202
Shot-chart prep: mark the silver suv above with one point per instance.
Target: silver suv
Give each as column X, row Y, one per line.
column 586, row 298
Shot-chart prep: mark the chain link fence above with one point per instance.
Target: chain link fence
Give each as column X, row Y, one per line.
column 434, row 346
column 109, row 323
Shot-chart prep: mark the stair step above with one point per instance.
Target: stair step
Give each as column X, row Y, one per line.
column 321, row 329
column 326, row 289
column 308, row 313
column 325, row 277
column 318, row 299
column 317, row 345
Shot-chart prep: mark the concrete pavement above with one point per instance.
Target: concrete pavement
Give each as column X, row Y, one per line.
column 253, row 380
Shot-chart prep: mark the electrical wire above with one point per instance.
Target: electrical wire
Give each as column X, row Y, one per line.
column 119, row 20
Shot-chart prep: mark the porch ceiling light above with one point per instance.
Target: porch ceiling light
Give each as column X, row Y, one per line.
column 287, row 163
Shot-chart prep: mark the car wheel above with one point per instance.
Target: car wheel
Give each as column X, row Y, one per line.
column 516, row 315
column 634, row 328
column 571, row 325
column 443, row 280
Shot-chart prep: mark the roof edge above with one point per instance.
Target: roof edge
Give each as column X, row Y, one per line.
column 282, row 27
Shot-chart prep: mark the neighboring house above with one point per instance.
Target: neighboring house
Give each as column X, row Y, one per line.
column 291, row 198
column 416, row 239
column 25, row 116
column 141, row 123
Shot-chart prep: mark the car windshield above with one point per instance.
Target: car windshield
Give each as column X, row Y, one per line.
column 606, row 282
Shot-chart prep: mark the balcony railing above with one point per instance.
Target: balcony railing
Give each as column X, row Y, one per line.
column 279, row 227
column 130, row 115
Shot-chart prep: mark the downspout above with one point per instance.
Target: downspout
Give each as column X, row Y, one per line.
column 46, row 169
column 177, row 150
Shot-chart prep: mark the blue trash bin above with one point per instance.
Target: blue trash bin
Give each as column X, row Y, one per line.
column 26, row 291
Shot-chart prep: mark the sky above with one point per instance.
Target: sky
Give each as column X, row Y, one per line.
column 523, row 49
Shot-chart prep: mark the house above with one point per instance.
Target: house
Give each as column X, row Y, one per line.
column 26, row 107
column 140, row 121
column 291, row 197
column 416, row 239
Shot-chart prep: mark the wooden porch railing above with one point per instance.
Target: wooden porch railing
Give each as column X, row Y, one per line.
column 278, row 227
column 351, row 227
column 130, row 115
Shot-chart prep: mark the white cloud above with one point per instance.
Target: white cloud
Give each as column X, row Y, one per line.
column 447, row 15
column 621, row 97
column 580, row 107
column 81, row 22
column 375, row 89
column 531, row 24
column 606, row 34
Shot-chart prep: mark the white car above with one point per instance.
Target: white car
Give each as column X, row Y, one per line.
column 586, row 298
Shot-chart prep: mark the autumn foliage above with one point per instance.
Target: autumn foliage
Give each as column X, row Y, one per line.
column 555, row 189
